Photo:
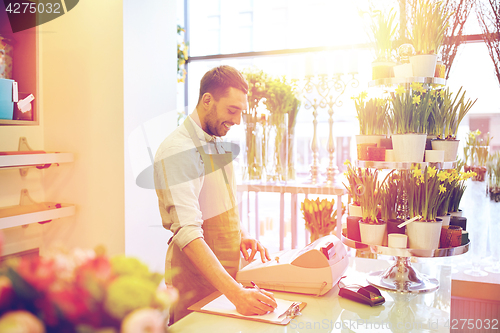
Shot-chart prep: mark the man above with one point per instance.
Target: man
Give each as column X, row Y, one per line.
column 196, row 194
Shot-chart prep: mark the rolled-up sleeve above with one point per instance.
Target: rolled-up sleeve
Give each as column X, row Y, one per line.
column 178, row 175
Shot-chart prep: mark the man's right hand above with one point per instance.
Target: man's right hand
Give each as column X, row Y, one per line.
column 253, row 302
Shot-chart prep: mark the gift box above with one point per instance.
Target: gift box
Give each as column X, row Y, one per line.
column 6, row 99
column 6, row 53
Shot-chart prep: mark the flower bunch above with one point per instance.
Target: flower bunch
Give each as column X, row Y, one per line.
column 493, row 166
column 392, row 192
column 459, row 187
column 351, row 174
column 82, row 291
column 372, row 114
column 410, row 109
column 319, row 216
column 182, row 55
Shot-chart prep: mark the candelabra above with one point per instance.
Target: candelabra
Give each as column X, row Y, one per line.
column 322, row 92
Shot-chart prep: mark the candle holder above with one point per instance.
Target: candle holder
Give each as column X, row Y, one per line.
column 322, row 92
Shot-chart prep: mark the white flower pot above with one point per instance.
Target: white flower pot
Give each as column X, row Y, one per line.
column 369, row 139
column 450, row 148
column 434, row 156
column 423, row 65
column 459, row 213
column 389, row 155
column 408, row 147
column 445, row 219
column 403, row 70
column 355, row 210
column 424, row 235
column 372, row 234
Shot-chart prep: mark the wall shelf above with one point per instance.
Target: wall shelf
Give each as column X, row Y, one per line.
column 34, row 160
column 41, row 212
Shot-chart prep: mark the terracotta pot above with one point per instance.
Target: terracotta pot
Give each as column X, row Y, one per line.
column 451, row 236
column 376, row 154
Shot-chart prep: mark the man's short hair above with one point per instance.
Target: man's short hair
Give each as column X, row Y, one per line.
column 218, row 80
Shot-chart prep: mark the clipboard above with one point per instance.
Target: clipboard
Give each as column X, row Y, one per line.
column 217, row 296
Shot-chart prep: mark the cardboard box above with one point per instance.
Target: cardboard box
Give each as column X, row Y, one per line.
column 6, row 99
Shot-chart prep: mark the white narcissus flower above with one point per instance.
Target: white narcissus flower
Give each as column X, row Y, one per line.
column 145, row 320
column 21, row 322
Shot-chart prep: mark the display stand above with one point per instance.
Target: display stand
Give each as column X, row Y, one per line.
column 402, row 276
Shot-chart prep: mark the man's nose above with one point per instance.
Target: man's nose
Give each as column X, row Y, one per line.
column 237, row 118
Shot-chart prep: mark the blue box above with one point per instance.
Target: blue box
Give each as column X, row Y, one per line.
column 6, row 100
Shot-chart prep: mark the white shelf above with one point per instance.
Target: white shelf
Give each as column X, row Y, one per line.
column 32, row 160
column 38, row 216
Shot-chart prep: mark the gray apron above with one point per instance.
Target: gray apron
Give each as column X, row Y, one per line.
column 221, row 232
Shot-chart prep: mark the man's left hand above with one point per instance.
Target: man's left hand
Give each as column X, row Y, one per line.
column 248, row 243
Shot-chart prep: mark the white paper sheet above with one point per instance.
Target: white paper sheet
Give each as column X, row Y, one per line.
column 222, row 305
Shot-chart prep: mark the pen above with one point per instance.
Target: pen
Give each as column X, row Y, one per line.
column 255, row 286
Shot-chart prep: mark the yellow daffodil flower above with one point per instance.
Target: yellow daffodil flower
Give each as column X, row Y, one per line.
column 442, row 176
column 417, row 173
column 347, row 162
column 442, row 188
column 400, row 90
column 416, row 100
column 431, row 171
column 417, row 86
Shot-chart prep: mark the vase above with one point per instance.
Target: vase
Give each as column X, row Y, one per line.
column 276, row 144
column 254, row 135
column 440, row 69
column 408, row 147
column 424, row 235
column 450, row 148
column 372, row 234
column 355, row 210
column 423, row 65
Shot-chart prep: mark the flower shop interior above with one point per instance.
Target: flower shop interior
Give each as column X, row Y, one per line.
column 109, row 80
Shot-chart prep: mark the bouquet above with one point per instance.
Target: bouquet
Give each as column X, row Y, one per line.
column 320, row 217
column 82, row 291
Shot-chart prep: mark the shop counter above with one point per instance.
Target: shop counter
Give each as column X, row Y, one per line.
column 401, row 312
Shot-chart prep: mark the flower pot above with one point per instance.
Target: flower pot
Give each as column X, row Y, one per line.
column 353, row 228
column 450, row 148
column 362, row 150
column 360, row 138
column 445, row 219
column 355, row 210
column 382, row 69
column 424, row 235
column 451, row 236
column 389, row 155
column 399, row 241
column 392, row 227
column 458, row 213
column 440, row 69
column 459, row 221
column 376, row 154
column 372, row 234
column 434, row 156
column 423, row 65
column 408, row 147
column 403, row 70
column 428, row 141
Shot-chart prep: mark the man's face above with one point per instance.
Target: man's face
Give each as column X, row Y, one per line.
column 226, row 112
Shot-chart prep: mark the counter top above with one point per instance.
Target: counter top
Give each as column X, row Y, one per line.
column 428, row 312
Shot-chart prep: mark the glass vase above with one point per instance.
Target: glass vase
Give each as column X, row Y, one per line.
column 276, row 143
column 254, row 133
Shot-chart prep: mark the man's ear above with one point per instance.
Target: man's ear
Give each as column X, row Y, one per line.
column 207, row 99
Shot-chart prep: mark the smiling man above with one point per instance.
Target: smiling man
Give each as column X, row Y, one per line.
column 196, row 195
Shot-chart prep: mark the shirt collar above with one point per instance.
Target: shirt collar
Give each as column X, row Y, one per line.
column 202, row 135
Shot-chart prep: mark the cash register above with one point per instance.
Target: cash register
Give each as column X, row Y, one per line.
column 315, row 269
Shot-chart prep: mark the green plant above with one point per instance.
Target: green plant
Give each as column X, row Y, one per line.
column 351, row 174
column 459, row 179
column 429, row 25
column 410, row 110
column 391, row 195
column 382, row 29
column 372, row 114
column 476, row 149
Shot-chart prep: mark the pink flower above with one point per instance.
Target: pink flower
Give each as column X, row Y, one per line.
column 6, row 292
column 21, row 322
column 39, row 273
column 145, row 320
